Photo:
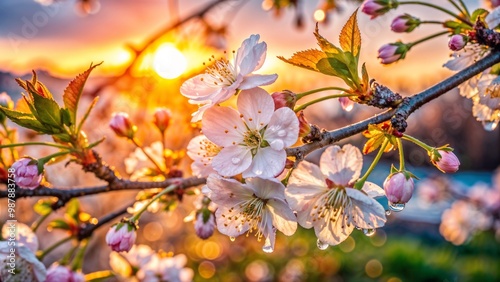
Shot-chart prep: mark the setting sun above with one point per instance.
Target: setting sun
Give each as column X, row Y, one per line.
column 169, row 62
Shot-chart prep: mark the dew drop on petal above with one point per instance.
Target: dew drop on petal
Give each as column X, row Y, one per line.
column 489, row 125
column 235, row 160
column 322, row 246
column 396, row 207
column 257, row 172
column 282, row 133
column 232, row 239
column 388, row 212
column 369, row 232
column 268, row 249
column 277, row 144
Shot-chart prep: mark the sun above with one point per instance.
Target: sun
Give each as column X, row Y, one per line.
column 169, row 62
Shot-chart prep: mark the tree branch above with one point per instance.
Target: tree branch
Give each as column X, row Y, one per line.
column 398, row 115
column 89, row 228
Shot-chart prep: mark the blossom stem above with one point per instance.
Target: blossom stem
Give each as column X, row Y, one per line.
column 458, row 17
column 138, row 214
column 452, row 2
column 465, row 8
column 418, row 142
column 427, row 38
column 99, row 275
column 305, row 105
column 34, row 144
column 359, row 184
column 303, row 94
column 39, row 221
column 288, row 174
column 431, row 22
column 401, row 155
column 78, row 260
column 43, row 253
column 138, row 145
column 67, row 257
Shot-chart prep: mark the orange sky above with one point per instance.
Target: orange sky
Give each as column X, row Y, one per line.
column 34, row 36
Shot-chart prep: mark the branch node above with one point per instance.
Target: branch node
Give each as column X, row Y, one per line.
column 383, row 97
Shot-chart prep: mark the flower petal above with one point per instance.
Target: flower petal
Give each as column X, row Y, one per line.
column 227, row 227
column 251, row 55
column 197, row 89
column 256, row 106
column 305, row 183
column 227, row 191
column 283, row 217
column 267, row 163
column 366, row 212
column 223, row 126
column 284, row 126
column 341, row 165
column 373, row 190
column 256, row 80
column 232, row 160
column 270, row 188
column 333, row 232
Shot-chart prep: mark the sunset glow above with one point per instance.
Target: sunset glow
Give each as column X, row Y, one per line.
column 169, row 62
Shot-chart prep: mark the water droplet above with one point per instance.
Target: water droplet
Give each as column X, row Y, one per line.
column 235, row 160
column 322, row 246
column 282, row 133
column 388, row 212
column 268, row 249
column 257, row 172
column 232, row 239
column 369, row 232
column 490, row 125
column 277, row 144
column 396, row 207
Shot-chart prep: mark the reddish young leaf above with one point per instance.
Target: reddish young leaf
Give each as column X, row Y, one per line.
column 74, row 90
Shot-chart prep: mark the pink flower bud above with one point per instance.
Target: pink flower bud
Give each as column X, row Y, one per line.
column 448, row 162
column 375, row 8
column 284, row 99
column 457, row 42
column 122, row 126
column 398, row 188
column 404, row 23
column 60, row 273
column 204, row 225
column 26, row 173
column 162, row 118
column 390, row 53
column 121, row 237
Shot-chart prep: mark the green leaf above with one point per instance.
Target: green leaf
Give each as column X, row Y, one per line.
column 336, row 66
column 325, row 45
column 48, row 111
column 307, row 59
column 43, row 207
column 87, row 113
column 26, row 120
column 59, row 224
column 364, row 75
column 66, row 117
column 73, row 209
column 74, row 91
column 479, row 13
column 350, row 36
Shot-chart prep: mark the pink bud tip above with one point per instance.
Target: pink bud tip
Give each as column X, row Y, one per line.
column 398, row 189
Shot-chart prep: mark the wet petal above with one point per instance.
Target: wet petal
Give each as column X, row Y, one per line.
column 284, row 126
column 232, row 160
column 267, row 163
column 341, row 165
column 223, row 126
column 256, row 106
column 283, row 217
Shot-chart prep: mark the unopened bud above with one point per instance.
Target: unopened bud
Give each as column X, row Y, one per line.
column 121, row 237
column 445, row 160
column 122, row 126
column 26, row 173
column 457, row 42
column 398, row 188
column 392, row 52
column 284, row 98
column 162, row 118
column 375, row 8
column 204, row 224
column 405, row 23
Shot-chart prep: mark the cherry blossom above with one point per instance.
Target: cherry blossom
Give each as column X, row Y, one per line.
column 201, row 151
column 126, row 264
column 223, row 78
column 258, row 206
column 172, row 269
column 324, row 197
column 254, row 138
column 28, row 267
